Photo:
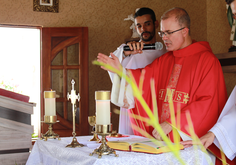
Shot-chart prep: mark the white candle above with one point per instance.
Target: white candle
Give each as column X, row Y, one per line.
column 103, row 107
column 50, row 103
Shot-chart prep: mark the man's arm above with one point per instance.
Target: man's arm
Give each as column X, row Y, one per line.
column 206, row 140
column 122, row 94
column 167, row 128
column 135, row 47
column 225, row 137
column 113, row 61
column 120, row 55
column 222, row 134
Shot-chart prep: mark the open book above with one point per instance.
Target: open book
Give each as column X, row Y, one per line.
column 141, row 145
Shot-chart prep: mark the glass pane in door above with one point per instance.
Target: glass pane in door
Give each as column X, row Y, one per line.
column 57, row 82
column 73, row 54
column 58, row 60
column 59, row 108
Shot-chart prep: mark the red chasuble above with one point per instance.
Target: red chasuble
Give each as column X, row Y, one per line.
column 195, row 79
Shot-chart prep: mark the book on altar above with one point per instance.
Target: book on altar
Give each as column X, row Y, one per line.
column 142, row 145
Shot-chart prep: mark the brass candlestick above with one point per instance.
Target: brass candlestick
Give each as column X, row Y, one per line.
column 92, row 122
column 50, row 120
column 104, row 149
column 73, row 98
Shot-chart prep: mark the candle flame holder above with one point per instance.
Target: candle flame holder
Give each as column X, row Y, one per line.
column 50, row 120
column 73, row 98
column 104, row 149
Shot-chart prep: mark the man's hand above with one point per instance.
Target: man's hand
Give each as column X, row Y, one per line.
column 113, row 61
column 136, row 48
column 206, row 140
column 166, row 128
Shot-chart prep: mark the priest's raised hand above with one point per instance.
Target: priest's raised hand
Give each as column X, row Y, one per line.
column 113, row 61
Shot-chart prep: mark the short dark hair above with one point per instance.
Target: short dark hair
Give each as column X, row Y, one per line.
column 229, row 1
column 181, row 16
column 143, row 11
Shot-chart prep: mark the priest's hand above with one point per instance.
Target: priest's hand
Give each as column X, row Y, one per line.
column 166, row 127
column 113, row 61
column 136, row 48
column 206, row 140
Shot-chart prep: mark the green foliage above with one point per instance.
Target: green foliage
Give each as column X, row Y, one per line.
column 34, row 135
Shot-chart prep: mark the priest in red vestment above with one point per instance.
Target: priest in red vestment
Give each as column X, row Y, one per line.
column 189, row 70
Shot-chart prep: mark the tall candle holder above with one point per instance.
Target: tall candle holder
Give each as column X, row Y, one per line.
column 104, row 149
column 50, row 117
column 73, row 98
column 103, row 126
column 50, row 120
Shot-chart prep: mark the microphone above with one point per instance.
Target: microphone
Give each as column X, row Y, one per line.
column 157, row 46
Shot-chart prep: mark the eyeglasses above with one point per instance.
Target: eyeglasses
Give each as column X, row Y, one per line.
column 161, row 34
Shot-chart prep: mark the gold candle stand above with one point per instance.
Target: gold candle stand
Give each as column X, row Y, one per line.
column 74, row 142
column 73, row 98
column 50, row 120
column 104, row 149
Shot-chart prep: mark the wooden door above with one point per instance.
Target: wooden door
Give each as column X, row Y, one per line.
column 65, row 57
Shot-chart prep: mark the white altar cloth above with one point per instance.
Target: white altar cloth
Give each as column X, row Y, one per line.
column 54, row 152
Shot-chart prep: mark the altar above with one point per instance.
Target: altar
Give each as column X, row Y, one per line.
column 53, row 151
